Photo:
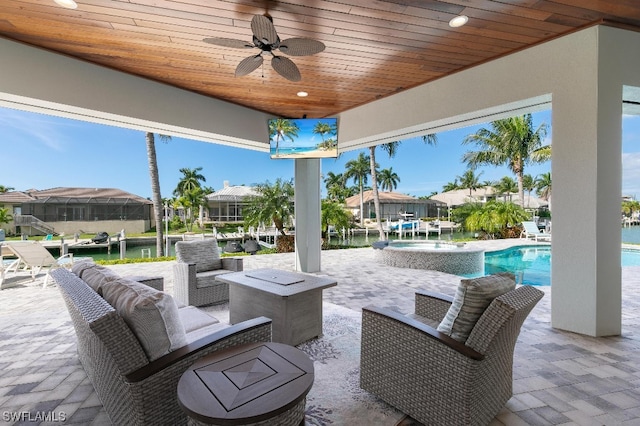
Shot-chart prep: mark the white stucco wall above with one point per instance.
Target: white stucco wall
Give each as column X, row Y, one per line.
column 40, row 81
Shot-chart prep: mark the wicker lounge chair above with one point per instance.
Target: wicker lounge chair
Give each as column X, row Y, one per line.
column 434, row 378
column 198, row 264
column 133, row 389
column 33, row 256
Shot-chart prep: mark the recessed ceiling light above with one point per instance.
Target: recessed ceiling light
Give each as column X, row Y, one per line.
column 69, row 4
column 302, row 94
column 458, row 21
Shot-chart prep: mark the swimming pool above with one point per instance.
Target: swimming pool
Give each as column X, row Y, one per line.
column 532, row 265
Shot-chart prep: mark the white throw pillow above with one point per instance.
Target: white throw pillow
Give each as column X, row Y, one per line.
column 472, row 297
column 152, row 315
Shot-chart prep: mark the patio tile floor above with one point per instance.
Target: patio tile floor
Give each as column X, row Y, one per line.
column 560, row 378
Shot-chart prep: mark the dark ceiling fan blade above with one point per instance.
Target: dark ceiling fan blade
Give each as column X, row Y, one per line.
column 263, row 29
column 301, row 46
column 248, row 65
column 286, row 68
column 229, row 42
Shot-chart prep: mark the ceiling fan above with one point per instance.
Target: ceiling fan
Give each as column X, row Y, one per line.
column 266, row 39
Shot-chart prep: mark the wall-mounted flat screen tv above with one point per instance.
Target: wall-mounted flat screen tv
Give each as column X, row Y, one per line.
column 303, row 137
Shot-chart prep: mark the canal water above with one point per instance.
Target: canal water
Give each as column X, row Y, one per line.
column 144, row 248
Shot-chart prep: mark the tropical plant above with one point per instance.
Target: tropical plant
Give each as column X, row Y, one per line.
column 528, row 185
column 5, row 216
column 495, row 218
column 4, row 189
column 388, row 179
column 506, row 187
column 469, row 180
column 156, row 196
column 451, row 186
column 460, row 213
column 282, row 129
column 512, row 142
column 190, row 200
column 274, row 204
column 336, row 187
column 359, row 170
column 543, row 187
column 334, row 213
column 190, row 180
column 629, row 208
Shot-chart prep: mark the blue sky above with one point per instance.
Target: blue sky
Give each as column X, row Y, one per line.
column 41, row 151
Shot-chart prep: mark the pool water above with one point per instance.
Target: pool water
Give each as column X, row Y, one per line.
column 532, row 265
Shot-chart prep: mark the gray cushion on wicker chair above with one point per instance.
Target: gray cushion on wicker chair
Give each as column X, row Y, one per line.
column 434, row 378
column 471, row 299
column 194, row 274
column 204, row 253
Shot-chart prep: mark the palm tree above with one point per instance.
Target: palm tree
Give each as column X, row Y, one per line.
column 451, row 186
column 191, row 199
column 507, row 186
column 325, row 129
column 512, row 142
column 4, row 189
column 336, row 186
column 391, row 148
column 333, row 214
column 543, row 187
column 188, row 191
column 156, row 196
column 191, row 179
column 388, row 179
column 274, row 204
column 282, row 129
column 528, row 184
column 359, row 170
column 469, row 180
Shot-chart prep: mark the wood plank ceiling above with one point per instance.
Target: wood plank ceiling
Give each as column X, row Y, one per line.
column 374, row 48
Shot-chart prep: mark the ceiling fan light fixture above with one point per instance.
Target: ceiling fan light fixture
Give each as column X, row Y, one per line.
column 69, row 4
column 458, row 21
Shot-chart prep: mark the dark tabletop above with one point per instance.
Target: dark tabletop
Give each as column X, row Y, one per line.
column 246, row 383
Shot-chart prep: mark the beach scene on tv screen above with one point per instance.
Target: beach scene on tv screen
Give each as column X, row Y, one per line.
column 303, row 138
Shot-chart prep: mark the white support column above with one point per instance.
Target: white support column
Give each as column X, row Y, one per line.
column 307, row 198
column 586, row 170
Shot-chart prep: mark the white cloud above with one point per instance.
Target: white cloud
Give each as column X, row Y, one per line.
column 33, row 128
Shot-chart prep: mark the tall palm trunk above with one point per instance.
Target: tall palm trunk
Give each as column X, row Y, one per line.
column 374, row 186
column 521, row 188
column 155, row 191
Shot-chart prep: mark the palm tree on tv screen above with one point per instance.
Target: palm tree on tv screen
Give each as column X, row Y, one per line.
column 156, row 197
column 512, row 142
column 323, row 129
column 281, row 129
